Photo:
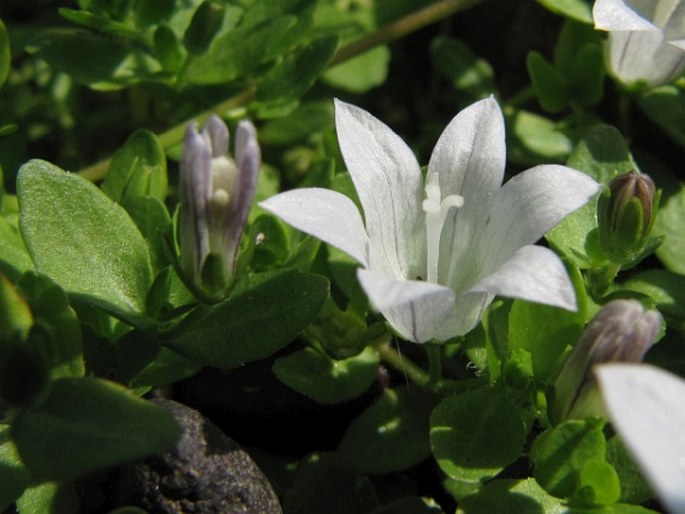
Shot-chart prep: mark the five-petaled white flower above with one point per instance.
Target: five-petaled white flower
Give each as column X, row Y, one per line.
column 646, row 39
column 435, row 252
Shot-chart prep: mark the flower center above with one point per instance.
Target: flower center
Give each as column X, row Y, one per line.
column 224, row 173
column 436, row 209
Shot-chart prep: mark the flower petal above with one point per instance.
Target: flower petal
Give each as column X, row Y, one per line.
column 388, row 181
column 617, row 15
column 647, row 408
column 418, row 311
column 325, row 214
column 527, row 207
column 533, row 273
column 469, row 158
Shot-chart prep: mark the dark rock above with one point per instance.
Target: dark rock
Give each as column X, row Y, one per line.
column 207, row 473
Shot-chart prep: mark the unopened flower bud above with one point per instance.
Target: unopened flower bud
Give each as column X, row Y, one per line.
column 622, row 331
column 626, row 213
column 216, row 197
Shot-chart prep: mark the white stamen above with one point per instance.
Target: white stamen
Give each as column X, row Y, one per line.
column 436, row 209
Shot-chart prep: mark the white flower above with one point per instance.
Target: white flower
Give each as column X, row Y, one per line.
column 646, row 39
column 216, row 196
column 647, row 408
column 435, row 253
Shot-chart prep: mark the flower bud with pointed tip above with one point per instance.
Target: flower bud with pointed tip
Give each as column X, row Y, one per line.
column 625, row 212
column 622, row 331
column 216, row 197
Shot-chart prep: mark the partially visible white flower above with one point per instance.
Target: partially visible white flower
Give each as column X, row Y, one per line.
column 435, row 252
column 646, row 41
column 646, row 405
column 216, row 196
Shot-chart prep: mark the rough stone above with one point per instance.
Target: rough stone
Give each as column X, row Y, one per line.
column 207, row 473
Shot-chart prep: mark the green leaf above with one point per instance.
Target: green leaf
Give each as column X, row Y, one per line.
column 670, row 222
column 634, row 488
column 88, row 424
column 533, row 139
column 83, row 241
column 240, row 51
column 546, row 331
column 313, row 373
column 14, row 258
column 361, row 73
column 560, row 453
column 309, row 118
column 602, row 154
column 474, row 435
column 168, row 48
column 263, row 314
column 511, row 495
column 391, row 434
column 167, row 367
column 137, row 169
column 462, row 67
column 331, row 484
column 598, row 484
column 665, row 288
column 297, row 73
column 578, row 10
column 101, row 62
column 665, row 107
column 13, row 475
column 205, row 24
column 50, row 307
column 5, row 53
column 548, row 83
column 49, row 498
column 154, row 223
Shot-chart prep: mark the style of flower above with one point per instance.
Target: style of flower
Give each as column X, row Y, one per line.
column 646, row 41
column 435, row 252
column 646, row 405
column 216, row 196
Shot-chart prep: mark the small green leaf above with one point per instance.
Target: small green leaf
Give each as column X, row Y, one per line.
column 83, row 241
column 14, row 258
column 361, row 73
column 168, row 48
column 50, row 307
column 168, row 367
column 49, row 498
column 205, row 24
column 514, row 496
column 665, row 288
column 598, row 484
column 474, row 435
column 329, row 483
column 391, row 434
column 152, row 219
column 578, row 10
column 263, row 314
column 309, row 118
column 13, row 475
column 548, row 83
column 137, row 169
column 664, row 106
column 5, row 54
column 298, row 71
column 533, row 139
column 670, row 222
column 313, row 373
column 87, row 424
column 462, row 67
column 634, row 488
column 560, row 453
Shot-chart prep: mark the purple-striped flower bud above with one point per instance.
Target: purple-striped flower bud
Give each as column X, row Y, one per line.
column 622, row 331
column 216, row 197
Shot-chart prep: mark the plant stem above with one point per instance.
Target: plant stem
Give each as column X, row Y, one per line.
column 397, row 361
column 434, row 353
column 400, row 28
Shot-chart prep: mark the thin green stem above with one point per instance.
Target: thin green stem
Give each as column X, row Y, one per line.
column 434, row 354
column 400, row 28
column 401, row 363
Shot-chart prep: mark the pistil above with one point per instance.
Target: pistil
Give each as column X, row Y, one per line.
column 436, row 209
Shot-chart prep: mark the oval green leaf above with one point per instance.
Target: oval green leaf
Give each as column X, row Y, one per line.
column 83, row 241
column 475, row 434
